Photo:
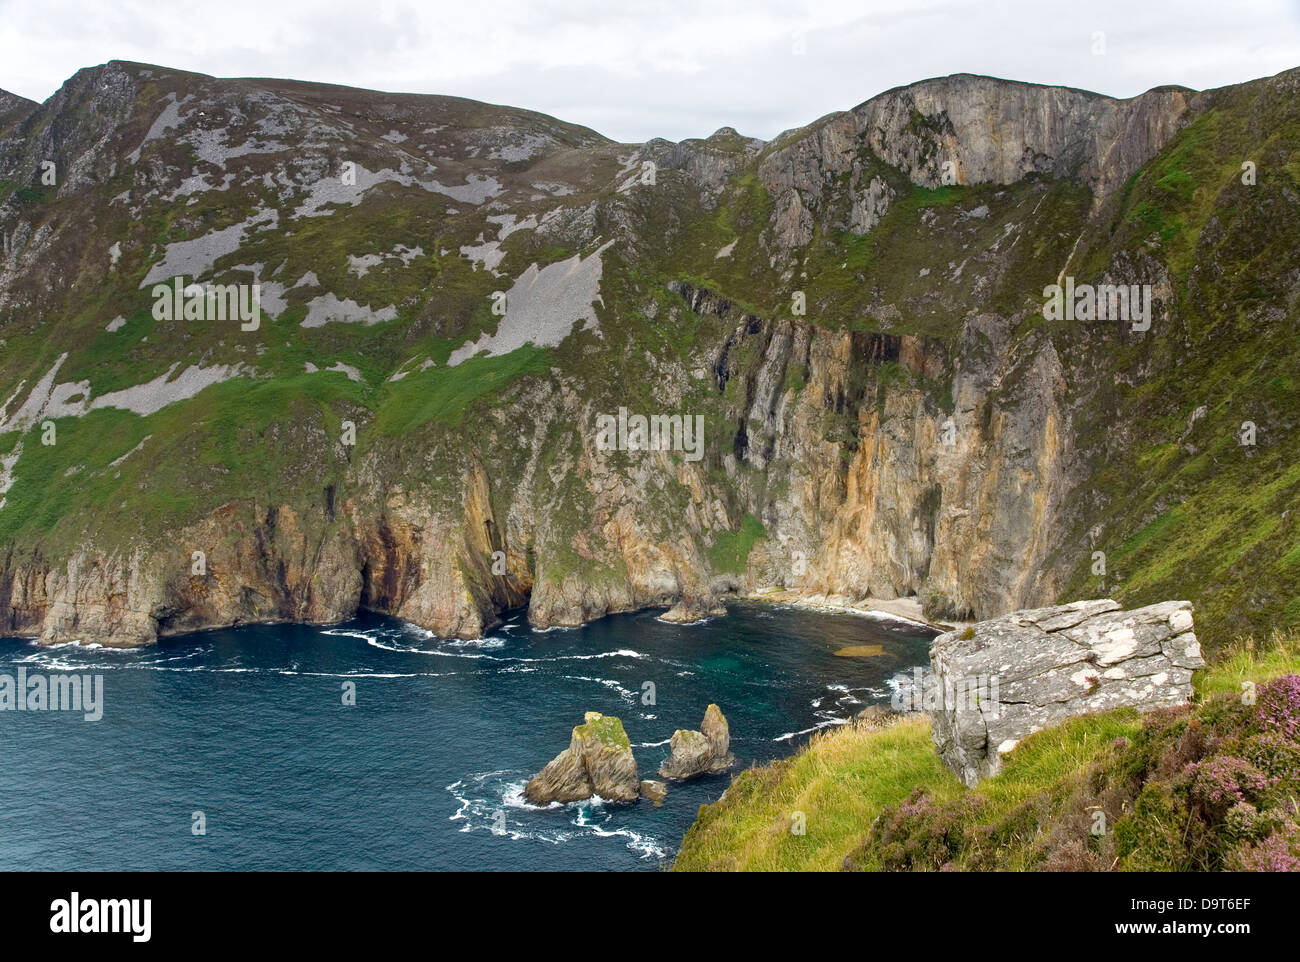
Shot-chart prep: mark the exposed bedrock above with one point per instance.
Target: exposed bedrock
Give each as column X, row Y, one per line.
column 859, row 492
column 1003, row 679
column 598, row 761
column 836, row 463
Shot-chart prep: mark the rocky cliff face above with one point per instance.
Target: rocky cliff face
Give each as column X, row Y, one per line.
column 851, row 313
column 963, row 129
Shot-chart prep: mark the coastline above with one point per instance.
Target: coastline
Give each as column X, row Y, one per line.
column 906, row 610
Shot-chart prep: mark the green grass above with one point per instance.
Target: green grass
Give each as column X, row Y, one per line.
column 443, row 394
column 730, row 552
column 1246, row 661
column 606, row 729
column 267, row 440
column 839, row 783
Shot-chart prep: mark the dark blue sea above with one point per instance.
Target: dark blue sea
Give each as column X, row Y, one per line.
column 426, row 771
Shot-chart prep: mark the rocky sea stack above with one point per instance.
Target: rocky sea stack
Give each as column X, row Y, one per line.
column 598, row 761
column 655, row 791
column 700, row 752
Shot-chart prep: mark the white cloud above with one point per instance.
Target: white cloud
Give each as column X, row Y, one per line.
column 670, row 69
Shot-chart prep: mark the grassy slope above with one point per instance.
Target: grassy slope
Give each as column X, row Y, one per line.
column 882, row 798
column 1186, row 510
column 268, row 438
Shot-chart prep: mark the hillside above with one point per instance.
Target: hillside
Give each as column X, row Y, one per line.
column 853, row 309
column 1205, row 787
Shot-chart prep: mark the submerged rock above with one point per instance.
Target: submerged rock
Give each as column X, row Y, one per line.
column 860, row 651
column 700, row 752
column 1000, row 680
column 598, row 761
column 654, row 790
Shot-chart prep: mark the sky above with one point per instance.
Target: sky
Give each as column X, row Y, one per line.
column 636, row 70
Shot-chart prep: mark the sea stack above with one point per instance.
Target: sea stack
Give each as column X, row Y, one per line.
column 700, row 752
column 598, row 761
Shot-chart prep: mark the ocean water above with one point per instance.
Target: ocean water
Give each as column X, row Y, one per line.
column 426, row 770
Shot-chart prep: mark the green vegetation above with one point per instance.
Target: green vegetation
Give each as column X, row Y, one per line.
column 839, row 782
column 1189, row 510
column 442, row 394
column 731, row 551
column 605, row 729
column 1203, row 787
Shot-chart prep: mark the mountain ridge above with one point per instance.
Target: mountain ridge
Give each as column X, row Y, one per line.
column 916, row 429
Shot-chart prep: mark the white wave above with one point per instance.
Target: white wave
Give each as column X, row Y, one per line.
column 342, row 633
column 487, row 801
column 647, row 846
column 807, row 731
column 619, row 653
column 476, row 643
column 625, row 694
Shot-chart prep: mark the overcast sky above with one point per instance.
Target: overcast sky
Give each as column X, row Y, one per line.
column 641, row 69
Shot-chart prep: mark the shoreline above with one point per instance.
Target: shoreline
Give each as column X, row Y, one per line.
column 906, row 610
column 901, row 610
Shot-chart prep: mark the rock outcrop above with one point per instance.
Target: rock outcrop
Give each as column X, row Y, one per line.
column 700, row 752
column 996, row 682
column 691, row 610
column 598, row 761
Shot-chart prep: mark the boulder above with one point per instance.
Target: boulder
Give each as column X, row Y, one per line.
column 598, row 761
column 995, row 682
column 700, row 752
column 654, row 790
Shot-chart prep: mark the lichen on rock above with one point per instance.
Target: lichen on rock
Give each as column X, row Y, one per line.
column 1000, row 680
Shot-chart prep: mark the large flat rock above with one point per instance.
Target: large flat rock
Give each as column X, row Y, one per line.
column 1000, row 680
